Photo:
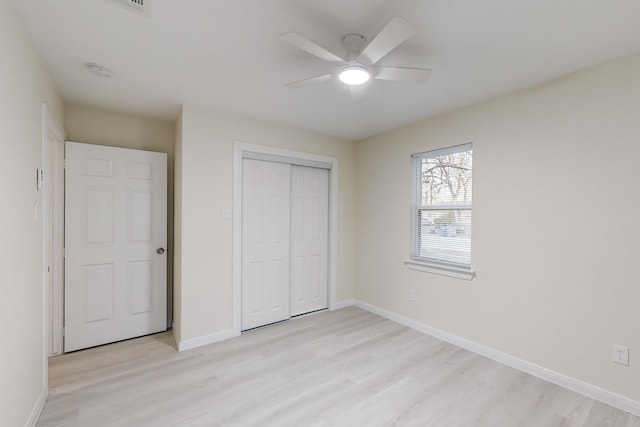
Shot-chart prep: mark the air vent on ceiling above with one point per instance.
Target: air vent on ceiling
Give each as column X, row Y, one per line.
column 136, row 5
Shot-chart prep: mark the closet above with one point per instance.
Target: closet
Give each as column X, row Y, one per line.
column 284, row 240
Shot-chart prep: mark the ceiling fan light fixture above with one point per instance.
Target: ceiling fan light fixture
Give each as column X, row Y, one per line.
column 354, row 75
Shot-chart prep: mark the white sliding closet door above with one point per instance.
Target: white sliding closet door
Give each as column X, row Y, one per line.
column 309, row 238
column 265, row 242
column 285, row 222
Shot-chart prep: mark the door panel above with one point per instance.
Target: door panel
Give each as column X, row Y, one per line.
column 98, row 292
column 139, row 287
column 115, row 282
column 99, row 212
column 309, row 222
column 265, row 243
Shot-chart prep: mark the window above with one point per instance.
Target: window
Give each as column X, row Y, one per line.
column 442, row 208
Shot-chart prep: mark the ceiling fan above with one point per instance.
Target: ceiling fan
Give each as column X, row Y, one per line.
column 358, row 65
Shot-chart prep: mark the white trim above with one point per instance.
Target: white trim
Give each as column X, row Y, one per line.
column 37, row 408
column 443, row 151
column 287, row 160
column 56, row 180
column 57, row 288
column 442, row 270
column 415, row 196
column 239, row 148
column 232, row 333
column 586, row 389
column 206, row 340
column 343, row 304
column 49, row 125
column 237, row 239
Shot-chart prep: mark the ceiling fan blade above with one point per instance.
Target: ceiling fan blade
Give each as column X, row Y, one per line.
column 394, row 33
column 401, row 74
column 308, row 46
column 312, row 80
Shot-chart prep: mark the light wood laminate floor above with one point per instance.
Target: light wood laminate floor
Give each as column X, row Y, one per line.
column 343, row 368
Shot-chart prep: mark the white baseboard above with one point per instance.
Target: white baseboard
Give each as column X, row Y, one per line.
column 37, row 408
column 586, row 389
column 206, row 339
column 231, row 333
column 338, row 305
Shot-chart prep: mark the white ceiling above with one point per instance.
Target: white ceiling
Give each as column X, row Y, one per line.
column 226, row 55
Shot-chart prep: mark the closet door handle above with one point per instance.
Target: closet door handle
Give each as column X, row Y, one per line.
column 160, row 251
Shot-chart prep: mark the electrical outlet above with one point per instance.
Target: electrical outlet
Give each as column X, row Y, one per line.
column 621, row 354
column 411, row 295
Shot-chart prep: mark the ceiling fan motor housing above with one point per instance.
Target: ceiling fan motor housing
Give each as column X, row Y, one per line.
column 354, row 44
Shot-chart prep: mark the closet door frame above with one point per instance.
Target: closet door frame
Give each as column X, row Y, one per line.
column 248, row 150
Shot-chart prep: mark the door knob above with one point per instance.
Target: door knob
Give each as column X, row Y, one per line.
column 160, row 251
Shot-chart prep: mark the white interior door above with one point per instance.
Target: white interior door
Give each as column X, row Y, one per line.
column 309, row 238
column 115, row 240
column 265, row 242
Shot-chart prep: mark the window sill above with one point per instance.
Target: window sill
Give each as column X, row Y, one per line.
column 450, row 271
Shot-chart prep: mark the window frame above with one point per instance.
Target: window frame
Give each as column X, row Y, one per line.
column 425, row 264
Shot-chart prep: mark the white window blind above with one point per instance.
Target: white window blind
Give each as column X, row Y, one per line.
column 443, row 201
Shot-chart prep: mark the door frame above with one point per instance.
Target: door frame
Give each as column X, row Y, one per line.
column 52, row 249
column 240, row 149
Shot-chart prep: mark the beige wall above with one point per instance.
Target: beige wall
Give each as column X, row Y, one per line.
column 206, row 186
column 555, row 225
column 121, row 130
column 24, row 85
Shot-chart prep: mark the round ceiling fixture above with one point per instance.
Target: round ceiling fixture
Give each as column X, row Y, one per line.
column 99, row 70
column 354, row 75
